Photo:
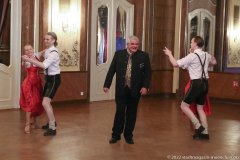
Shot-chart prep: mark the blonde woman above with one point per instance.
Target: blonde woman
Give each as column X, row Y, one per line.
column 31, row 91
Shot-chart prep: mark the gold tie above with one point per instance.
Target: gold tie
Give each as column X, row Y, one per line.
column 128, row 72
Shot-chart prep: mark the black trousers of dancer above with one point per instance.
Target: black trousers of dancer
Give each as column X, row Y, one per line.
column 126, row 114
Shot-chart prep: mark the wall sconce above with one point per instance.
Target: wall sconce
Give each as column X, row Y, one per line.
column 65, row 13
column 68, row 11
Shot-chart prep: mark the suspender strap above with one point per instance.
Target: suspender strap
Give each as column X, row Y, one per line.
column 46, row 70
column 202, row 64
column 54, row 51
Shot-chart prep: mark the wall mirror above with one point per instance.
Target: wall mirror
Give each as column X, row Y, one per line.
column 121, row 28
column 102, row 33
column 218, row 22
column 5, row 22
column 64, row 18
column 201, row 21
column 232, row 63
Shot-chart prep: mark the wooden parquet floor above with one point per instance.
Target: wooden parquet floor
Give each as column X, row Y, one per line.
column 162, row 132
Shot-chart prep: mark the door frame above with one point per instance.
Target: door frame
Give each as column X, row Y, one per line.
column 96, row 92
column 12, row 73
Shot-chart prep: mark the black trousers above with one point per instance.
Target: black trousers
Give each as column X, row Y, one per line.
column 51, row 85
column 126, row 114
column 197, row 92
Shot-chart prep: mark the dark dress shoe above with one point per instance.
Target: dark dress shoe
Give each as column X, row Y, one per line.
column 201, row 136
column 46, row 126
column 204, row 136
column 113, row 140
column 129, row 140
column 50, row 132
column 199, row 130
column 196, row 136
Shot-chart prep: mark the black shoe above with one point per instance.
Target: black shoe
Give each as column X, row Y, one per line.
column 196, row 136
column 50, row 132
column 46, row 126
column 113, row 140
column 129, row 140
column 204, row 136
column 201, row 136
column 199, row 130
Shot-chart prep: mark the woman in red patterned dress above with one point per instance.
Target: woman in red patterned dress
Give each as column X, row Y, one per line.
column 31, row 91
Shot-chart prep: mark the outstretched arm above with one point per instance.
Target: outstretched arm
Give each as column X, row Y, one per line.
column 213, row 61
column 171, row 58
column 33, row 61
column 40, row 54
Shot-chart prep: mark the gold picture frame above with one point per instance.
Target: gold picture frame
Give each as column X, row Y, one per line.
column 233, row 34
column 64, row 20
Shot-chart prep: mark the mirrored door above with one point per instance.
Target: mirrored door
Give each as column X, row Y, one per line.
column 112, row 23
column 10, row 53
column 202, row 22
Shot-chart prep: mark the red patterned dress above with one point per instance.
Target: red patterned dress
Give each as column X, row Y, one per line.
column 31, row 91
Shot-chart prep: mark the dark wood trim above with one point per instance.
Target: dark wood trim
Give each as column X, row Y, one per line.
column 27, row 30
column 138, row 18
column 148, row 28
column 84, row 35
column 43, row 22
column 225, row 38
column 27, row 23
column 220, row 33
column 89, row 35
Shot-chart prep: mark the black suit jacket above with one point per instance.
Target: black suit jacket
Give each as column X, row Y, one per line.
column 140, row 74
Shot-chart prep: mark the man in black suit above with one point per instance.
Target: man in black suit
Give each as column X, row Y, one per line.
column 133, row 75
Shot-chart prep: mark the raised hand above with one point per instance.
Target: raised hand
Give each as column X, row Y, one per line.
column 167, row 51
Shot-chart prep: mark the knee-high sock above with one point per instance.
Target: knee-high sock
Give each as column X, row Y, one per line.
column 52, row 125
column 203, row 118
column 185, row 108
column 49, row 110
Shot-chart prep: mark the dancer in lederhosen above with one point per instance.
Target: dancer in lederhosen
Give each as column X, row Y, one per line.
column 197, row 63
column 52, row 77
